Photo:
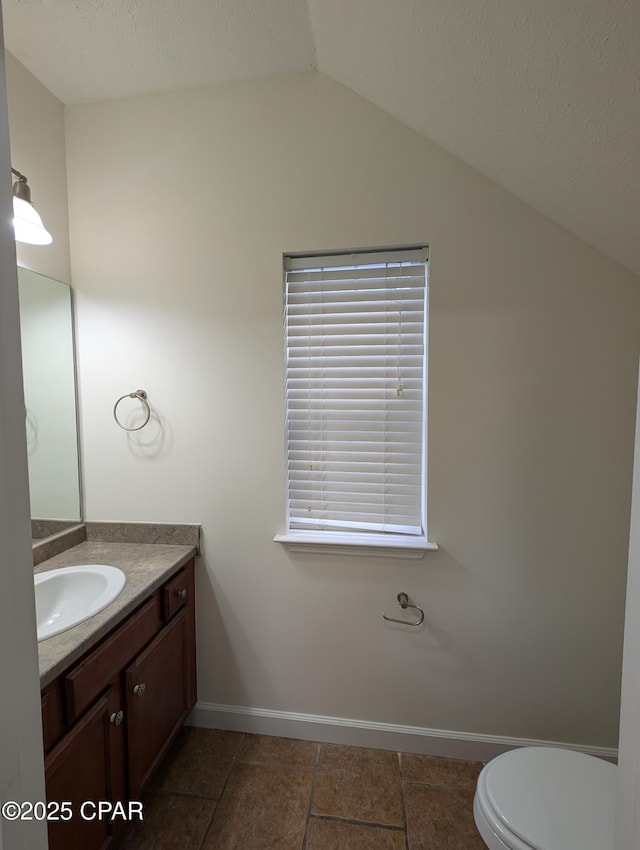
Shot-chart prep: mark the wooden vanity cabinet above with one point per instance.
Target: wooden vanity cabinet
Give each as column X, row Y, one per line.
column 109, row 719
column 160, row 684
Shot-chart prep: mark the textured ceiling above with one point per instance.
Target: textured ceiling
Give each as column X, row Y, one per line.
column 542, row 96
column 92, row 49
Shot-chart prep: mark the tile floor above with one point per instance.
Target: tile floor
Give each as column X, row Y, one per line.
column 229, row 791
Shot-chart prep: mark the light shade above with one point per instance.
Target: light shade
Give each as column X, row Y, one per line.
column 28, row 225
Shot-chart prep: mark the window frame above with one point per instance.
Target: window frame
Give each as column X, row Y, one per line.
column 366, row 542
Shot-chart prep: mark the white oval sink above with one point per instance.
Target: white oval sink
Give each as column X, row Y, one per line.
column 71, row 595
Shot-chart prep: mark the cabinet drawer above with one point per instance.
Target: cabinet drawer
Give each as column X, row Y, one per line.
column 176, row 593
column 91, row 676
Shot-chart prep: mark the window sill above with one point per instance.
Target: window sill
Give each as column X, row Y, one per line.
column 340, row 543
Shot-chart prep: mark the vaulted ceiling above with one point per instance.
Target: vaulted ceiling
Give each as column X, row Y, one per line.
column 542, row 96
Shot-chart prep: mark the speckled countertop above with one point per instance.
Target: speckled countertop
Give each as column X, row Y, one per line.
column 146, row 566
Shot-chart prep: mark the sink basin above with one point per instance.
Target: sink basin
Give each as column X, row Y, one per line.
column 71, row 595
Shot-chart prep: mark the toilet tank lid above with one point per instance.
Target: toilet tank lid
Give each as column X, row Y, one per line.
column 553, row 799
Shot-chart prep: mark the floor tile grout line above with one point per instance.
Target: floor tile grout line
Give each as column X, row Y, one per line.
column 280, row 765
column 438, row 786
column 186, row 795
column 311, row 795
column 445, row 785
column 404, row 805
column 222, row 790
column 355, row 822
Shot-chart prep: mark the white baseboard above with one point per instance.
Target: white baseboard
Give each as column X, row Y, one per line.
column 364, row 733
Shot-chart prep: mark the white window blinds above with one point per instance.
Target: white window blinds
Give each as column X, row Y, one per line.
column 355, row 330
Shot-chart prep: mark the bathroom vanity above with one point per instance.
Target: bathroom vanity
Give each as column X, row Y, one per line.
column 117, row 689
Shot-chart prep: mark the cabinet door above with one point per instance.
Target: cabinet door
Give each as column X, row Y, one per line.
column 78, row 769
column 157, row 700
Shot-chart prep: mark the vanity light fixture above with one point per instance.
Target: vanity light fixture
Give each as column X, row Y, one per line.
column 27, row 223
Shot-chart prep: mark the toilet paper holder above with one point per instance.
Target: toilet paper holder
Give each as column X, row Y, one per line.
column 403, row 602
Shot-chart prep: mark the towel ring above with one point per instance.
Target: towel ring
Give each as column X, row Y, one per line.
column 141, row 394
column 403, row 602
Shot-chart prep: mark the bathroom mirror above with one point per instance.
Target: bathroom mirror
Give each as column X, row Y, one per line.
column 46, row 327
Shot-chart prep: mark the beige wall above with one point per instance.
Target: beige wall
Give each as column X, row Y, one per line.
column 180, row 208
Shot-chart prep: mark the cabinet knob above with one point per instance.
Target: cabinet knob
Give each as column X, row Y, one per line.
column 182, row 593
column 139, row 689
column 116, row 718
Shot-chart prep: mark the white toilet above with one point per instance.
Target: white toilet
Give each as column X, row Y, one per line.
column 545, row 798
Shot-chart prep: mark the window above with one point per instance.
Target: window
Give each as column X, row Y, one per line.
column 355, row 372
